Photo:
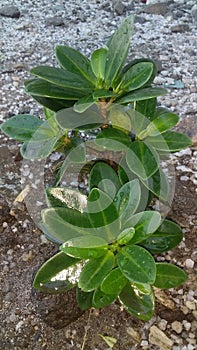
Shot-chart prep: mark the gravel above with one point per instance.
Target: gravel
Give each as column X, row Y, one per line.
column 29, row 33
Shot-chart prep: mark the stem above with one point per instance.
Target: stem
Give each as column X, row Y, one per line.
column 103, row 105
column 86, row 330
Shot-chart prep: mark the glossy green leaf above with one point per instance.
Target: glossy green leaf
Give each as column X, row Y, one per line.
column 141, row 60
column 127, row 199
column 125, row 236
column 84, row 103
column 101, row 299
column 138, row 121
column 104, row 177
column 43, row 141
column 66, row 223
column 113, row 139
column 147, row 107
column 117, row 50
column 98, row 61
column 53, row 104
column 142, row 159
column 114, row 282
column 166, row 237
column 95, row 271
column 138, row 304
column 102, row 214
column 66, row 197
column 54, row 275
column 110, row 341
column 104, row 93
column 85, row 247
column 136, row 76
column 69, row 119
column 40, row 87
column 169, row 276
column 119, row 118
column 60, row 77
column 145, row 223
column 163, row 121
column 73, row 61
column 142, row 94
column 136, row 264
column 169, row 141
column 143, row 288
column 84, row 299
column 39, row 150
column 158, row 184
column 75, row 153
column 21, row 127
column 48, row 113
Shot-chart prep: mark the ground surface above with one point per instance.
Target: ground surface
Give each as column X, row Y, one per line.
column 35, row 321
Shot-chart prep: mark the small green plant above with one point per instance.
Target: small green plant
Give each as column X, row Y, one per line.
column 108, row 238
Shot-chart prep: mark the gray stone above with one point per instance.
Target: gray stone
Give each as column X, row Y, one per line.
column 55, row 21
column 180, row 28
column 194, row 13
column 10, row 11
column 119, row 7
column 158, row 9
column 140, row 20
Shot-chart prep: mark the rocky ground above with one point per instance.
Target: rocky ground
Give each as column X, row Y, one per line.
column 165, row 31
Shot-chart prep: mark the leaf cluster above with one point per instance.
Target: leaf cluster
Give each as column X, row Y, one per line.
column 109, row 238
column 110, row 242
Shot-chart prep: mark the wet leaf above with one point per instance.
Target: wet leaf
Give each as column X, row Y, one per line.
column 94, row 272
column 138, row 304
column 114, row 282
column 136, row 264
column 101, row 299
column 21, row 127
column 169, row 141
column 142, row 159
column 117, row 50
column 145, row 223
column 169, row 276
column 136, row 76
column 54, row 276
column 73, row 61
column 86, row 247
column 166, row 237
column 98, row 61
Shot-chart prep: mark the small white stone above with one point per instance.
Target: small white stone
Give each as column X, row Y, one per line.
column 144, row 343
column 163, row 324
column 177, row 327
column 191, row 305
column 189, row 263
column 184, row 178
column 5, row 224
column 43, row 239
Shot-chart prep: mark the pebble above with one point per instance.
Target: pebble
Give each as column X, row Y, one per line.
column 10, row 11
column 180, row 28
column 55, row 21
column 157, row 337
column 162, row 324
column 177, row 327
column 189, row 263
column 194, row 13
column 190, row 304
column 187, row 325
column 184, row 178
column 157, row 9
column 119, row 7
